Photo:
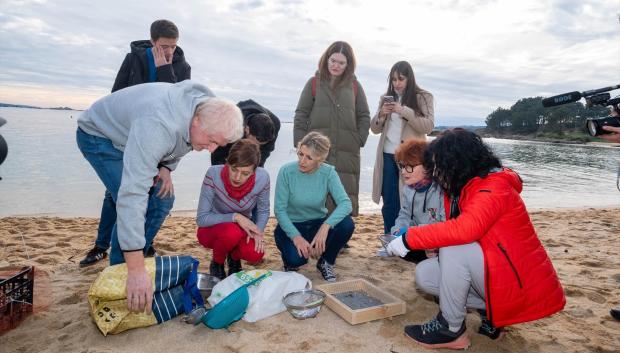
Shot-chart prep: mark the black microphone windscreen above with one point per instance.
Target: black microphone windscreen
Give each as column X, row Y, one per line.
column 561, row 99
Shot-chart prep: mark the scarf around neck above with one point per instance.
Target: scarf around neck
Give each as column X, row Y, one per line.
column 237, row 192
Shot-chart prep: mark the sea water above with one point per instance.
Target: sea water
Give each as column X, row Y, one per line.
column 45, row 173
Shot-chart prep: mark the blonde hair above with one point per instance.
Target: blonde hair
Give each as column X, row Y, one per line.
column 220, row 116
column 317, row 143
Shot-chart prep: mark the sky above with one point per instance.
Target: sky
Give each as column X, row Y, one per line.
column 473, row 55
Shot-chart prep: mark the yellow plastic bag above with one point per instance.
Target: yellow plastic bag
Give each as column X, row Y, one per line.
column 108, row 301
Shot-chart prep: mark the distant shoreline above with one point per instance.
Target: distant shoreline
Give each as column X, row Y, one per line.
column 571, row 137
column 568, row 140
column 8, row 105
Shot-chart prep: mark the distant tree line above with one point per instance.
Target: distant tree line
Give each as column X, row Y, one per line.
column 529, row 116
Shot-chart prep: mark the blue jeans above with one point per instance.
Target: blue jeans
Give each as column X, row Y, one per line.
column 390, row 192
column 107, row 161
column 336, row 238
column 106, row 221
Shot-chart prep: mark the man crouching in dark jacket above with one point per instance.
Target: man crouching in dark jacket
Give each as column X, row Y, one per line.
column 155, row 60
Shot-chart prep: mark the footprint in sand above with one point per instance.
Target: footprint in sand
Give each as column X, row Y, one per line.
column 574, row 293
column 581, row 313
column 72, row 299
column 592, row 264
column 595, row 297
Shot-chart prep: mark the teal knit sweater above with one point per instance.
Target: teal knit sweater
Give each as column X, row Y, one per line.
column 301, row 196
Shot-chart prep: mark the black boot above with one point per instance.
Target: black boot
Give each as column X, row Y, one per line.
column 217, row 270
column 234, row 266
column 487, row 328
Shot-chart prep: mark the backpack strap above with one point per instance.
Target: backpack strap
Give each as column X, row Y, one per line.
column 313, row 86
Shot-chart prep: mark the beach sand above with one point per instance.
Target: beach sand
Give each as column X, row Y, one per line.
column 583, row 245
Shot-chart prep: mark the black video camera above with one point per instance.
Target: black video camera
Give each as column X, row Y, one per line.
column 601, row 97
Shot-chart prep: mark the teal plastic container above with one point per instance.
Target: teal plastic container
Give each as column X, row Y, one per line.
column 230, row 309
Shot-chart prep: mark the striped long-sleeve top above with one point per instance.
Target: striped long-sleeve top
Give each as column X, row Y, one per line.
column 216, row 206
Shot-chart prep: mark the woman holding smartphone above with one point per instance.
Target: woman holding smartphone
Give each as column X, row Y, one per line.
column 405, row 111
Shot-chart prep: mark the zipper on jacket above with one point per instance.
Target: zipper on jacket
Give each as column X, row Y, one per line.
column 487, row 292
column 511, row 264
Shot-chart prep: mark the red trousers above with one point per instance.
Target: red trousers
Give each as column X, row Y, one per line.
column 228, row 238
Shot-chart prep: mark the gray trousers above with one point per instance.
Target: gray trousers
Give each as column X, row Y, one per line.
column 456, row 276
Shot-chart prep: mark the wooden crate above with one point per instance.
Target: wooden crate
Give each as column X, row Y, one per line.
column 391, row 306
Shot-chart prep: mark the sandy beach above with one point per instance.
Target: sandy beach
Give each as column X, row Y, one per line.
column 582, row 243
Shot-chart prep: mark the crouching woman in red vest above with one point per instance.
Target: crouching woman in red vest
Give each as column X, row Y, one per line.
column 490, row 257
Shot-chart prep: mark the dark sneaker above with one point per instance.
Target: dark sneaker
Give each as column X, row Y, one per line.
column 327, row 270
column 290, row 268
column 615, row 313
column 217, row 270
column 435, row 334
column 95, row 254
column 234, row 266
column 487, row 328
column 150, row 252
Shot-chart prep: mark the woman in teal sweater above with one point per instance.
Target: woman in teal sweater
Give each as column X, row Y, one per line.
column 304, row 230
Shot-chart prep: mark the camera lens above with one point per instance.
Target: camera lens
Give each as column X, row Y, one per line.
column 591, row 125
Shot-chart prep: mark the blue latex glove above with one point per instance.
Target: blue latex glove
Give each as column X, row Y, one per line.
column 402, row 231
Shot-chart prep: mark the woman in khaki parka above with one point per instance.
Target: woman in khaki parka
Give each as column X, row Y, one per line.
column 334, row 104
column 405, row 111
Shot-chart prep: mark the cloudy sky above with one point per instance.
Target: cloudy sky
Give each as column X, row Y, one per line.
column 473, row 55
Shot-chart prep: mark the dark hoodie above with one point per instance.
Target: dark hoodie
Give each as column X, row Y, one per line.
column 135, row 68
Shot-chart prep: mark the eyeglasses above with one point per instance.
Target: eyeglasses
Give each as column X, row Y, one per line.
column 406, row 167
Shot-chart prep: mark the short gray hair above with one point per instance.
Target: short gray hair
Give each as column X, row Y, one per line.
column 317, row 143
column 220, row 116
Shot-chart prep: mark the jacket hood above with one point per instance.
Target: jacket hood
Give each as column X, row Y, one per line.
column 512, row 178
column 505, row 176
column 185, row 96
column 138, row 47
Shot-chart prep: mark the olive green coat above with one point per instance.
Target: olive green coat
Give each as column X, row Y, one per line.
column 343, row 118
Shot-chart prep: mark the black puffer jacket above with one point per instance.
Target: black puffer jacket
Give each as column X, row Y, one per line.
column 249, row 108
column 135, row 68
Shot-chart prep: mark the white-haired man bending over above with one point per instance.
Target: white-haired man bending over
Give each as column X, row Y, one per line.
column 133, row 139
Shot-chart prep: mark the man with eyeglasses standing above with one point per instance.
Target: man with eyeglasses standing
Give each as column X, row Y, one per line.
column 156, row 60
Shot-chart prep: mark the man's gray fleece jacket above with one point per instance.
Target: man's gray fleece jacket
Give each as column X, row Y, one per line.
column 150, row 124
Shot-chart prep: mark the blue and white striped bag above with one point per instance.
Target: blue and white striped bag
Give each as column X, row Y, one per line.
column 175, row 292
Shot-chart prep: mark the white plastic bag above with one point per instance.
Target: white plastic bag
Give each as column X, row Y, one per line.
column 265, row 296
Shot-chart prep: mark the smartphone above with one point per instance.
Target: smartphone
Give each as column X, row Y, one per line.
column 388, row 99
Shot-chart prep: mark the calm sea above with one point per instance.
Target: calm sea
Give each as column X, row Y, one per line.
column 45, row 173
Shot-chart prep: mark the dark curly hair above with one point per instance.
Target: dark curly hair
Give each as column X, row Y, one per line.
column 261, row 126
column 456, row 157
